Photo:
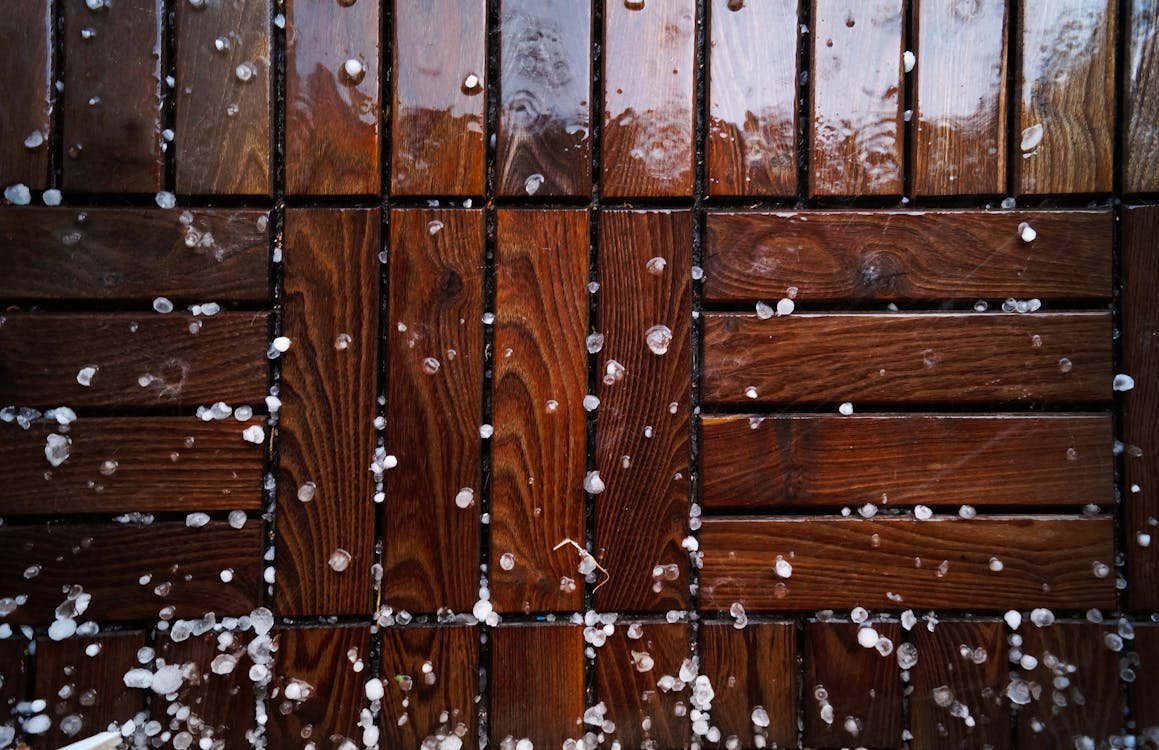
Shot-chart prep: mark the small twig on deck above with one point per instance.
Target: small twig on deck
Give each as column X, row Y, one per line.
column 584, row 553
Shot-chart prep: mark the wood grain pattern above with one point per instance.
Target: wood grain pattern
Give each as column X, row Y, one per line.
column 644, row 715
column 220, row 706
column 855, row 98
column 538, row 459
column 537, row 678
column 438, row 702
column 223, row 122
column 332, row 117
column 862, row 687
column 1066, row 87
column 752, row 98
column 1047, row 560
column 14, row 670
column 960, row 98
column 940, row 460
column 648, row 98
column 907, row 358
column 543, row 143
column 438, row 115
column 1140, row 163
column 751, row 667
column 112, row 112
column 328, row 391
column 431, row 546
column 1144, row 698
column 199, row 255
column 26, row 77
column 642, row 515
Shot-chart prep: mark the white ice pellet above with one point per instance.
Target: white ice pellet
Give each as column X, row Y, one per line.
column 163, row 305
column 532, row 184
column 909, row 60
column 254, row 434
column 595, row 342
column 51, row 197
column 785, row 307
column 354, row 69
column 783, row 568
column 167, row 679
column 18, row 194
column 62, row 628
column 1031, row 137
column 922, row 512
column 592, row 483
column 35, row 139
column 658, row 338
column 764, row 312
column 1013, row 619
column 845, row 409
column 244, row 72
column 1027, row 232
column 138, row 678
column 374, row 689
column 656, row 265
column 1123, row 382
column 56, row 448
column 165, row 199
column 485, row 431
column 465, row 498
column 282, row 344
column 1042, row 617
column 867, row 637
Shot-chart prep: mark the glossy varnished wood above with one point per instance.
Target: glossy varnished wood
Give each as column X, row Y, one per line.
column 14, row 670
column 862, row 687
column 644, row 714
column 1144, row 699
column 324, row 659
column 423, row 702
column 1140, row 163
column 220, row 706
column 537, row 683
column 26, row 80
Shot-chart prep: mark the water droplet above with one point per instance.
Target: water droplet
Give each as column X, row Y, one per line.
column 430, row 365
column 353, row 71
column 472, row 85
column 656, row 265
column 533, row 183
column 244, row 72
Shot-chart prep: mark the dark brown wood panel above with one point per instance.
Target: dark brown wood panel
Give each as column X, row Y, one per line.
column 223, row 56
column 328, row 693
column 907, row 358
column 440, row 79
column 1064, row 133
column 648, row 98
column 752, row 94
column 430, row 676
column 332, row 97
column 220, row 697
column 1144, row 697
column 199, row 255
column 766, row 462
column 112, row 112
column 916, row 255
column 326, row 436
column 537, row 684
column 141, row 359
column 544, row 143
column 538, row 458
column 1140, row 163
column 750, row 668
column 434, row 402
column 25, row 113
column 858, row 685
column 627, row 671
column 901, row 563
column 645, row 316
column 13, row 677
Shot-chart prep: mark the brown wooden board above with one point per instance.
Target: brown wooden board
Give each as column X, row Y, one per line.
column 752, row 94
column 13, row 678
column 112, row 110
column 220, row 705
column 907, row 255
column 915, row 358
column 904, row 460
column 145, row 359
column 1065, row 88
column 1140, row 163
column 439, row 700
column 537, row 684
column 544, row 144
column 26, row 80
column 131, row 571
column 900, row 563
column 648, row 98
column 332, row 98
column 627, row 672
column 222, row 133
column 200, row 255
column 328, row 391
column 1144, row 697
column 431, row 546
column 440, row 80
column 862, row 687
column 642, row 515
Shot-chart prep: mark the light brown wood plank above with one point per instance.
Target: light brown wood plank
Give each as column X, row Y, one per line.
column 537, row 679
column 448, row 689
column 862, row 687
column 641, row 711
column 1141, row 103
column 221, row 706
column 26, row 77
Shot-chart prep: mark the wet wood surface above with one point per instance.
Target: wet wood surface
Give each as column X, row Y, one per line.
column 1140, row 147
column 430, row 678
column 14, row 671
column 221, row 703
column 25, row 115
column 861, row 687
column 537, row 692
column 752, row 667
column 1145, row 702
column 626, row 684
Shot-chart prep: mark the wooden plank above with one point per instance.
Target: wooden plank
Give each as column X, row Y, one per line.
column 321, row 663
column 855, row 98
column 141, row 359
column 112, row 113
column 440, row 61
column 1144, row 699
column 1066, row 97
column 752, row 92
column 131, row 571
column 908, row 255
column 648, row 98
column 537, row 683
column 1141, row 107
column 901, row 563
column 939, row 460
column 960, row 98
column 422, row 702
column 913, row 358
column 27, row 75
column 862, row 687
column 627, row 671
column 199, row 255
column 642, row 515
column 13, row 678
column 539, row 455
column 220, row 705
column 749, row 668
column 332, row 98
column 431, row 546
column 328, row 390
column 223, row 122
column 545, row 118
column 949, row 657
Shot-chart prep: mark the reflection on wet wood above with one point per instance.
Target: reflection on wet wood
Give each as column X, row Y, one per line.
column 752, row 667
column 644, row 716
column 537, row 678
column 26, row 78
column 424, row 701
column 861, row 688
column 1141, row 144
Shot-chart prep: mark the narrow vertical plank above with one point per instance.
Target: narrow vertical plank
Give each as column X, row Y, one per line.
column 332, row 97
column 421, row 702
column 1066, row 97
column 112, row 111
column 537, row 684
column 642, row 449
column 862, row 687
column 220, row 699
column 1144, row 697
column 26, row 78
column 749, row 668
column 13, row 680
column 223, row 122
column 538, row 459
column 328, row 692
column 960, row 105
column 752, row 90
column 440, row 61
column 648, row 98
column 325, row 543
column 544, row 121
column 1141, row 144
column 434, row 403
column 855, row 98
column 627, row 671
